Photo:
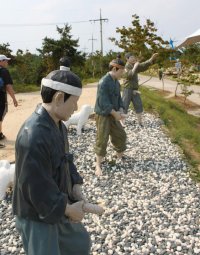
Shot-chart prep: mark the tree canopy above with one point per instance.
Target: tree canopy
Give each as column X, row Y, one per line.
column 142, row 40
column 52, row 50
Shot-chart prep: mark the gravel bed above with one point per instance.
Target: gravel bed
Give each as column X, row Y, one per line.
column 151, row 204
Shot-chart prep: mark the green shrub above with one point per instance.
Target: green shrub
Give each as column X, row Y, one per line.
column 21, row 88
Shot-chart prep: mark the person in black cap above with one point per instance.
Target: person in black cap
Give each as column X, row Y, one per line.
column 47, row 198
column 109, row 111
column 131, row 87
column 6, row 86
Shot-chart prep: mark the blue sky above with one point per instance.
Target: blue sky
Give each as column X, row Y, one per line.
column 21, row 20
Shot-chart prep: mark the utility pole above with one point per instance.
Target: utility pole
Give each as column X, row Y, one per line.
column 101, row 33
column 92, row 39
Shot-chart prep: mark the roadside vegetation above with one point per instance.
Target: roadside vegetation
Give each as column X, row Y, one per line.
column 183, row 128
column 19, row 88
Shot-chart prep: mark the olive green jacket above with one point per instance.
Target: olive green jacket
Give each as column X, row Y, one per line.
column 131, row 76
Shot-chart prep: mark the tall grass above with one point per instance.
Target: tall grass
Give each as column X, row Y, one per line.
column 183, row 128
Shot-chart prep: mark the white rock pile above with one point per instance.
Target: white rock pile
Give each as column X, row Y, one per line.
column 152, row 206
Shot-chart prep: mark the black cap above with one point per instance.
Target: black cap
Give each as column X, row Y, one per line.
column 65, row 61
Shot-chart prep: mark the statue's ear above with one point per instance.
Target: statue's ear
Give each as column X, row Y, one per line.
column 59, row 98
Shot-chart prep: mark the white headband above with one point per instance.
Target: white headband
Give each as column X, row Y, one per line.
column 64, row 68
column 69, row 89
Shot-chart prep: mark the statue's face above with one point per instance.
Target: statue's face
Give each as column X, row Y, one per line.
column 132, row 60
column 119, row 73
column 64, row 110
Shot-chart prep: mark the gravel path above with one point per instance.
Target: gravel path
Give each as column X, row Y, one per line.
column 152, row 206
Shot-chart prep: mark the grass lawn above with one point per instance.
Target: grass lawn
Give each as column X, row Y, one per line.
column 183, row 128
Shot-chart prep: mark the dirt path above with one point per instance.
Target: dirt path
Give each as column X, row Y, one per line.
column 170, row 86
column 192, row 102
column 27, row 103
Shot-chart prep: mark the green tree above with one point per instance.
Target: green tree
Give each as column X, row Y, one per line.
column 27, row 68
column 52, row 50
column 4, row 49
column 191, row 54
column 96, row 65
column 140, row 39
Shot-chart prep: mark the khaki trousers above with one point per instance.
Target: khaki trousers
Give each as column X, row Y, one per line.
column 108, row 127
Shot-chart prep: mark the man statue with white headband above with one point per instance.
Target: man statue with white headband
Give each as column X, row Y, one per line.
column 47, row 199
column 109, row 111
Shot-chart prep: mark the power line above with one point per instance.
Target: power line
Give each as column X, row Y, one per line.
column 100, row 19
column 41, row 24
